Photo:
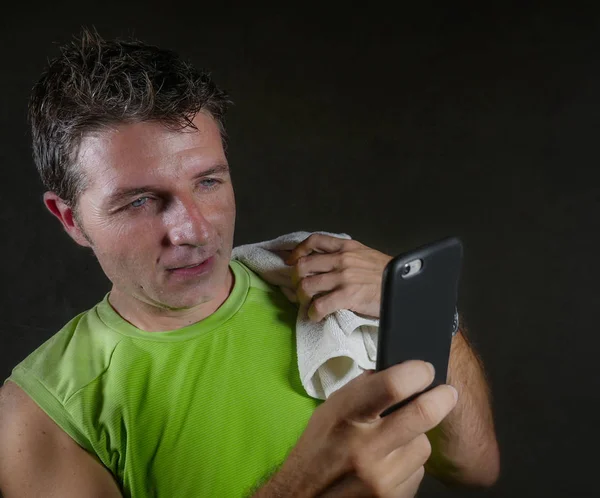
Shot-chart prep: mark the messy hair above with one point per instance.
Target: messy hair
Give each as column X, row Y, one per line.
column 95, row 83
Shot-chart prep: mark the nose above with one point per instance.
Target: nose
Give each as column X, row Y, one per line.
column 187, row 224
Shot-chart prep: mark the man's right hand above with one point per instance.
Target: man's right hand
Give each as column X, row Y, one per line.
column 348, row 450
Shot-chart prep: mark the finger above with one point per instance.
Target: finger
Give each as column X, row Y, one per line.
column 350, row 486
column 309, row 287
column 317, row 242
column 321, row 263
column 397, row 466
column 365, row 397
column 419, row 416
column 385, row 476
column 327, row 275
column 410, row 486
column 326, row 304
column 318, row 283
column 315, row 264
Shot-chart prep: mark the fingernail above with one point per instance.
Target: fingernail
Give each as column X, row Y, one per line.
column 431, row 367
column 454, row 392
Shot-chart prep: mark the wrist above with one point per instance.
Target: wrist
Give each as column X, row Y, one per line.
column 284, row 483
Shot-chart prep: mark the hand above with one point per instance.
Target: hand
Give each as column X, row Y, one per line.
column 348, row 450
column 333, row 274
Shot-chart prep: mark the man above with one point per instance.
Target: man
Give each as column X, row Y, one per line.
column 183, row 380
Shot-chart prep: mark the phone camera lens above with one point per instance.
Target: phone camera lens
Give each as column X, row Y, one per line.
column 405, row 270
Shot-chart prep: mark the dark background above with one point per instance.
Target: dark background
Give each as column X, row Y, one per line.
column 397, row 128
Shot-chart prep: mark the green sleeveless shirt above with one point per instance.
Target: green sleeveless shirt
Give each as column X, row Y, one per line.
column 204, row 411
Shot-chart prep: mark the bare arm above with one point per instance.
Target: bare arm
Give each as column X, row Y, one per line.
column 37, row 458
column 464, row 445
column 333, row 274
column 347, row 449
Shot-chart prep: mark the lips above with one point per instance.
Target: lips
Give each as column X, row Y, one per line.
column 190, row 265
column 192, row 270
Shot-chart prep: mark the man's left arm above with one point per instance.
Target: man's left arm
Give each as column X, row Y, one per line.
column 333, row 274
column 464, row 446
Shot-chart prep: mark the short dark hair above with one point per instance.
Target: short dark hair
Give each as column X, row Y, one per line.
column 96, row 82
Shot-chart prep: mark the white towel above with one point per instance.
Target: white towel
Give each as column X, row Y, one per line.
column 332, row 352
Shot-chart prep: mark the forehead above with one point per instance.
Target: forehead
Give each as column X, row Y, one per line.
column 149, row 151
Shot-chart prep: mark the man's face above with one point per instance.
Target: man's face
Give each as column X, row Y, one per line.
column 159, row 201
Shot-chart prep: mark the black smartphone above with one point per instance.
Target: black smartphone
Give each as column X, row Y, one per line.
column 418, row 308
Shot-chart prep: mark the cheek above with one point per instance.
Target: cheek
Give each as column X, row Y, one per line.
column 122, row 243
column 227, row 207
column 134, row 229
column 220, row 212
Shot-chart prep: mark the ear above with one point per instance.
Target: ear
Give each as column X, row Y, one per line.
column 65, row 215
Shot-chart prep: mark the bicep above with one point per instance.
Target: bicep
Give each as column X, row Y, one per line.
column 37, row 458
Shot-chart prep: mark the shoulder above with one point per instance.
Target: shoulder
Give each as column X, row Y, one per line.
column 254, row 280
column 27, row 433
column 70, row 359
column 19, row 411
column 35, row 453
column 274, row 292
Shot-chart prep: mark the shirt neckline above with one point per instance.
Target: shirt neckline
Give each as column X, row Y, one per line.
column 109, row 316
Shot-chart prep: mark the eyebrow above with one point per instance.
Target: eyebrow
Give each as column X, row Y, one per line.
column 122, row 194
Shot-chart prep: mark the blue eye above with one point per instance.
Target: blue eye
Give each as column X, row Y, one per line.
column 211, row 182
column 139, row 202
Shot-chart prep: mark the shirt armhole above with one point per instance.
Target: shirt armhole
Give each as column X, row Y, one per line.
column 38, row 392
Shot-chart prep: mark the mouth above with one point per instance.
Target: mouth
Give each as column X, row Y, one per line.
column 188, row 266
column 192, row 269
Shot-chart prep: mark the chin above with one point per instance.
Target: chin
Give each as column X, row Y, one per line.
column 192, row 294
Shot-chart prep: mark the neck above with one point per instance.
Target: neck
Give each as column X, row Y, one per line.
column 153, row 318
